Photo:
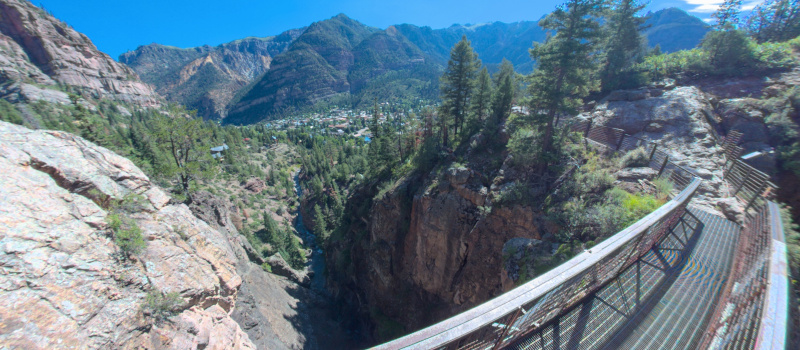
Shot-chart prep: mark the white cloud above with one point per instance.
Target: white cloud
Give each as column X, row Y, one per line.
column 704, row 5
column 751, row 5
column 709, row 6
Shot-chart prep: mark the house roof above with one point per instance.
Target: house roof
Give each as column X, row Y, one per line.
column 219, row 148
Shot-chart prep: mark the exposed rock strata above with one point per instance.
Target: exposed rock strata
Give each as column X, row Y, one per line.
column 276, row 312
column 679, row 120
column 62, row 280
column 427, row 251
column 37, row 48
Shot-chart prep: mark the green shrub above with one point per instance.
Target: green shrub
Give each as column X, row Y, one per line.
column 524, row 147
column 162, row 305
column 127, row 235
column 775, row 56
column 634, row 206
column 663, row 188
column 729, row 51
column 266, row 267
column 722, row 53
column 594, row 176
column 794, row 43
column 635, row 158
column 674, row 64
column 9, row 113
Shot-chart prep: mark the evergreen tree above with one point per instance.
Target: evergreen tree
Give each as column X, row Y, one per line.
column 374, row 125
column 624, row 43
column 504, row 96
column 727, row 15
column 184, row 140
column 88, row 124
column 728, row 48
column 456, row 86
column 270, row 232
column 774, row 20
column 483, row 95
column 565, row 63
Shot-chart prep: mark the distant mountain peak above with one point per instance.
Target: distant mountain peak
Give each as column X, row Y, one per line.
column 340, row 57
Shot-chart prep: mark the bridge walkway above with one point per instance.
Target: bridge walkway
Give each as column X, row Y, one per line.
column 661, row 302
column 676, row 318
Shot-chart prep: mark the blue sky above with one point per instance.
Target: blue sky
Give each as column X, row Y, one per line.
column 116, row 26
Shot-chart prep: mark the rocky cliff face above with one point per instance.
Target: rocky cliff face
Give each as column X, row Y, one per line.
column 679, row 119
column 64, row 283
column 37, row 48
column 427, row 250
column 206, row 78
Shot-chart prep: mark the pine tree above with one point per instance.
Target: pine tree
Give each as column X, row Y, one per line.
column 374, row 125
column 183, row 139
column 774, row 20
column 624, row 42
column 456, row 86
column 565, row 63
column 728, row 48
column 483, row 96
column 504, row 96
column 269, row 233
column 727, row 15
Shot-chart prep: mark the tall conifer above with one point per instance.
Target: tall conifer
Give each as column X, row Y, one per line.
column 624, row 43
column 456, row 86
column 565, row 63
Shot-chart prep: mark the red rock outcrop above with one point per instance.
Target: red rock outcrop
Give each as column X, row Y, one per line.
column 63, row 282
column 430, row 249
column 42, row 49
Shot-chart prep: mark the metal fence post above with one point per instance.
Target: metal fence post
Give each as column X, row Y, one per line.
column 621, row 139
column 744, row 180
column 663, row 166
column 508, row 326
column 588, row 128
column 755, row 196
column 653, row 152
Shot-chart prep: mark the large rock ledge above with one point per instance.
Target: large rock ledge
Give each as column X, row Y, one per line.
column 62, row 284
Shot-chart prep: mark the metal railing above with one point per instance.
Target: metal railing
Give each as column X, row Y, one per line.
column 529, row 308
column 753, row 311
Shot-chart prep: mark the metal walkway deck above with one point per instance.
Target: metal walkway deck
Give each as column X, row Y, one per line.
column 661, row 302
column 676, row 315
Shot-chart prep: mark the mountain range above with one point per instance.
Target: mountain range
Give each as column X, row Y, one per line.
column 342, row 61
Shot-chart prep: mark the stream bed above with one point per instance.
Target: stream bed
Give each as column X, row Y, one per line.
column 317, row 260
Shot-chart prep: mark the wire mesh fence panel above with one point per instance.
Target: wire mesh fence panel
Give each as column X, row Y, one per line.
column 658, row 160
column 580, row 126
column 630, row 143
column 730, row 145
column 737, row 315
column 607, row 136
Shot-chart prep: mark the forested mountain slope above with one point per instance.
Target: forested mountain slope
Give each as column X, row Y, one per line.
column 206, row 78
column 342, row 61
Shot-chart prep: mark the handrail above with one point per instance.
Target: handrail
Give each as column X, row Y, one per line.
column 753, row 310
column 493, row 310
column 775, row 314
column 550, row 294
